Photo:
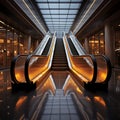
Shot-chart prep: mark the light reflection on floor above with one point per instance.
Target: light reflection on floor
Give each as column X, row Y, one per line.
column 23, row 105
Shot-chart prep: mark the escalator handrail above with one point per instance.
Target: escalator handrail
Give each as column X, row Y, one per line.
column 26, row 71
column 42, row 44
column 77, row 43
column 109, row 67
column 12, row 68
column 94, row 65
column 93, row 61
column 13, row 62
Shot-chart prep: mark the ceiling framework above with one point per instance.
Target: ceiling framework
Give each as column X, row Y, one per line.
column 59, row 15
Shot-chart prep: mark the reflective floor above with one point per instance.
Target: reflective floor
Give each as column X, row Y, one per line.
column 54, row 100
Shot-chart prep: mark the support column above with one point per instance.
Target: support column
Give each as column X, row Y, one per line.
column 109, row 51
column 86, row 45
column 29, row 43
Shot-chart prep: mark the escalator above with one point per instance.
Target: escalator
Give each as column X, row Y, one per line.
column 94, row 71
column 25, row 68
column 72, row 47
column 63, row 55
column 47, row 47
column 59, row 62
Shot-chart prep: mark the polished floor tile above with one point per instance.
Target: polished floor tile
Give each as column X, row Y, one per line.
column 23, row 105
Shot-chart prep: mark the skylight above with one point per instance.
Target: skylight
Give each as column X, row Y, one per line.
column 59, row 15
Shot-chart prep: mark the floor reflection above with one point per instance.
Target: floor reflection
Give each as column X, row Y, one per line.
column 89, row 105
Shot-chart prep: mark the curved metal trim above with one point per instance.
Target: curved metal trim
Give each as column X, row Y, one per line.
column 26, row 69
column 95, row 68
column 109, row 68
column 93, row 60
column 12, row 69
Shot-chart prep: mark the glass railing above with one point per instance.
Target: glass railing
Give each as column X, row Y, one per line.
column 41, row 46
column 83, row 66
column 33, row 63
column 90, row 68
column 37, row 66
column 104, row 68
column 17, row 69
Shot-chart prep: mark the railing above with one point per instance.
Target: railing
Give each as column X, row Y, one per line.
column 24, row 68
column 37, row 66
column 79, row 47
column 103, row 62
column 41, row 46
column 17, row 69
column 104, row 69
column 84, row 66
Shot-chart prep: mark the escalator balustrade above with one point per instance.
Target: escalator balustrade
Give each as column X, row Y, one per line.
column 25, row 69
column 94, row 71
column 62, row 55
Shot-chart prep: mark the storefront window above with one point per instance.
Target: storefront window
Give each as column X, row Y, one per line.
column 96, row 43
column 16, row 50
column 2, row 46
column 11, row 44
column 22, row 46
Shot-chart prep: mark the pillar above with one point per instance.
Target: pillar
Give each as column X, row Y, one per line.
column 109, row 40
column 86, row 45
column 29, row 43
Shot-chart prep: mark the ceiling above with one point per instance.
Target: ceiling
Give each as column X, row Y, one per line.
column 59, row 15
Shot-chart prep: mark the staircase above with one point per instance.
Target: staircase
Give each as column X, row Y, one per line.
column 59, row 62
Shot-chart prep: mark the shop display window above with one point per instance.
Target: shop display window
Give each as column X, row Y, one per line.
column 97, row 44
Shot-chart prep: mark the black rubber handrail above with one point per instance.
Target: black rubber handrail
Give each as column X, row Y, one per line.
column 109, row 67
column 26, row 69
column 12, row 69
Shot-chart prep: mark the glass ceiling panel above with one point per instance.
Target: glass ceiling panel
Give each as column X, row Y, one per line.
column 53, row 5
column 41, row 0
column 55, row 16
column 53, row 0
column 65, row 0
column 48, row 20
column 73, row 11
column 63, row 11
column 75, row 5
column 47, row 16
column 59, row 15
column 45, row 11
column 76, row 0
column 54, row 11
column 63, row 16
column 42, row 5
column 65, row 5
